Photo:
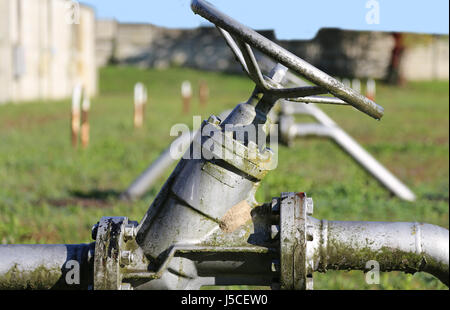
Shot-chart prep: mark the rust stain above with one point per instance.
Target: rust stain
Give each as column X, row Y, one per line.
column 301, row 194
column 237, row 216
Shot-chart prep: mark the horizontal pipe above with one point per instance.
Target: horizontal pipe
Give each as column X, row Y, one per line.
column 310, row 129
column 407, row 247
column 62, row 266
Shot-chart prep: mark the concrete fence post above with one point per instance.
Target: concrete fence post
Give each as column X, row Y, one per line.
column 346, row 82
column 371, row 89
column 85, row 122
column 144, row 102
column 186, row 95
column 140, row 94
column 356, row 85
column 75, row 114
column 203, row 94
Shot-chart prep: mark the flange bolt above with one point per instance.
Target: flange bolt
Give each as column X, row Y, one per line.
column 129, row 232
column 275, row 231
column 214, row 120
column 126, row 257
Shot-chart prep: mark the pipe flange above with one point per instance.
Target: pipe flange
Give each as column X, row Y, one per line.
column 296, row 265
column 107, row 259
column 222, row 145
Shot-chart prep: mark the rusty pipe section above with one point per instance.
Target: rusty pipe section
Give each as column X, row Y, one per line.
column 62, row 266
column 401, row 246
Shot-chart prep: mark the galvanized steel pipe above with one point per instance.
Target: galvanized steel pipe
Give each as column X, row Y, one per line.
column 141, row 185
column 62, row 266
column 401, row 246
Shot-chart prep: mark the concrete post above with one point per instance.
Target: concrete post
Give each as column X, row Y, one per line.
column 186, row 95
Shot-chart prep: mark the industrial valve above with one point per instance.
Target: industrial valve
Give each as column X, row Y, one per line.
column 205, row 226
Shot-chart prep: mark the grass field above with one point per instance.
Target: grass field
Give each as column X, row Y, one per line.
column 51, row 193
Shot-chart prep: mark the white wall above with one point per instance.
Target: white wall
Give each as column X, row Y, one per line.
column 427, row 61
column 56, row 54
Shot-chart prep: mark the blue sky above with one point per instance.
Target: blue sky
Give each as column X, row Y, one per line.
column 291, row 19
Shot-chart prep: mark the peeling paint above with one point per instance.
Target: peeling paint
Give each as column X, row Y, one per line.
column 236, row 217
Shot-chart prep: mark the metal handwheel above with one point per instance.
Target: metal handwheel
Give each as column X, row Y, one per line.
column 241, row 39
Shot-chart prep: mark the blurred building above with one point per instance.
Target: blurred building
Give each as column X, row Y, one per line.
column 341, row 53
column 46, row 47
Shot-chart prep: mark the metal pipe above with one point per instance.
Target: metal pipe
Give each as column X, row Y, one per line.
column 244, row 55
column 148, row 178
column 347, row 143
column 62, row 266
column 401, row 246
column 371, row 164
column 320, row 100
column 140, row 186
column 235, row 49
column 332, row 130
column 310, row 129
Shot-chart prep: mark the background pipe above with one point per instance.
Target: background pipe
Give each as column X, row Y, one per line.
column 145, row 181
column 63, row 266
column 407, row 247
column 149, row 177
column 328, row 128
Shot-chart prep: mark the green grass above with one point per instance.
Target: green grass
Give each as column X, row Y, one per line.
column 51, row 193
